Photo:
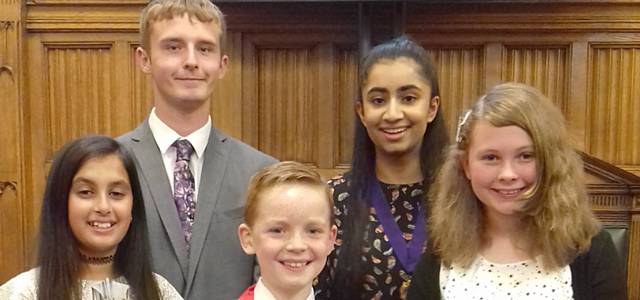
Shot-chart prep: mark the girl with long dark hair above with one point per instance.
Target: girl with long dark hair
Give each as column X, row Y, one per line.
column 380, row 206
column 93, row 241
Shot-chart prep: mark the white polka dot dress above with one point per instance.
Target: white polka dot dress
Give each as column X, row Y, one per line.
column 485, row 280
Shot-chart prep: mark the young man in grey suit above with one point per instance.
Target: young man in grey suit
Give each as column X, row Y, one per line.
column 193, row 177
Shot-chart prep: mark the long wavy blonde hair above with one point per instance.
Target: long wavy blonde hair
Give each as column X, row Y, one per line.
column 556, row 216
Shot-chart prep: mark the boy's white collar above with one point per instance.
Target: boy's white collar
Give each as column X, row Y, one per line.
column 262, row 293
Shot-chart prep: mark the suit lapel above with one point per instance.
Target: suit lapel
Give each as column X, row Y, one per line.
column 213, row 171
column 155, row 177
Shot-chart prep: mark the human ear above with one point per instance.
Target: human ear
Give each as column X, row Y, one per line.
column 464, row 164
column 332, row 235
column 143, row 60
column 360, row 111
column 246, row 239
column 434, row 104
column 224, row 63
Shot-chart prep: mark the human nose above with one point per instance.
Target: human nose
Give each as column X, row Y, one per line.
column 393, row 111
column 296, row 243
column 507, row 171
column 191, row 60
column 102, row 204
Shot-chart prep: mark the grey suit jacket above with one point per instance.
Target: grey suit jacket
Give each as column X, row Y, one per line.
column 216, row 267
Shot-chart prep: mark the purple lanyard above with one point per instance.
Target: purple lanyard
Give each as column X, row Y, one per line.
column 407, row 253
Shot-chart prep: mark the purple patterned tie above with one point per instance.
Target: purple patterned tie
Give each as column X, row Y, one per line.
column 184, row 187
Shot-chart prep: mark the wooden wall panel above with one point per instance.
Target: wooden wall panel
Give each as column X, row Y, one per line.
column 80, row 92
column 460, row 77
column 545, row 67
column 287, row 113
column 12, row 246
column 346, row 93
column 613, row 110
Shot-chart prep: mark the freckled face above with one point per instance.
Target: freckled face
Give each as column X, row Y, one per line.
column 100, row 204
column 397, row 107
column 292, row 235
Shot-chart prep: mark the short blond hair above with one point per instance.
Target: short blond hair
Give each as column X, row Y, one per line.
column 556, row 216
column 202, row 10
column 286, row 172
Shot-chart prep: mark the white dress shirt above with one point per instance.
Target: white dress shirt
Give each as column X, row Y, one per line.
column 165, row 137
column 260, row 292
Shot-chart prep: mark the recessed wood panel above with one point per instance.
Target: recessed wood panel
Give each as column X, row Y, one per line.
column 12, row 241
column 613, row 110
column 80, row 92
column 287, row 108
column 460, row 78
column 346, row 81
column 545, row 68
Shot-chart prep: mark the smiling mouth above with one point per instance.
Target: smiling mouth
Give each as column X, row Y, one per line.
column 190, row 79
column 508, row 192
column 295, row 265
column 394, row 130
column 101, row 225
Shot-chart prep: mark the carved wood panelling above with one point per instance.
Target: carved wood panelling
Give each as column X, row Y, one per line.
column 287, row 81
column 79, row 97
column 610, row 202
column 545, row 68
column 9, row 76
column 613, row 110
column 460, row 77
column 11, row 251
column 346, row 90
column 12, row 254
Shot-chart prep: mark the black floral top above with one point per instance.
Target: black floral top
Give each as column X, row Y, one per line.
column 384, row 274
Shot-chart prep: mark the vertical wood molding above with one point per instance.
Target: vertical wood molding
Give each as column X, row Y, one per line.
column 614, row 103
column 326, row 106
column 250, row 92
column 80, row 95
column 460, row 79
column 288, row 114
column 492, row 64
column 13, row 251
column 346, row 94
column 577, row 100
column 544, row 67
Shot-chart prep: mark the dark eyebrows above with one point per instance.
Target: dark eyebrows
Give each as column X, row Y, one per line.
column 405, row 88
column 377, row 90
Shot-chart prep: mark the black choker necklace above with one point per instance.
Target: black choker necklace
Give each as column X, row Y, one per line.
column 96, row 260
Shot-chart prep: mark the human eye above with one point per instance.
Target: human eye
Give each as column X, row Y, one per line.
column 172, row 47
column 206, row 49
column 275, row 230
column 527, row 156
column 377, row 100
column 409, row 99
column 489, row 157
column 84, row 192
column 315, row 231
column 117, row 194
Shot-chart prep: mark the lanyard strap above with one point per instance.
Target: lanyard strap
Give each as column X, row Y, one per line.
column 407, row 253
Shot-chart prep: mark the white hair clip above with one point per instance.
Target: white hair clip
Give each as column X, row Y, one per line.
column 461, row 121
